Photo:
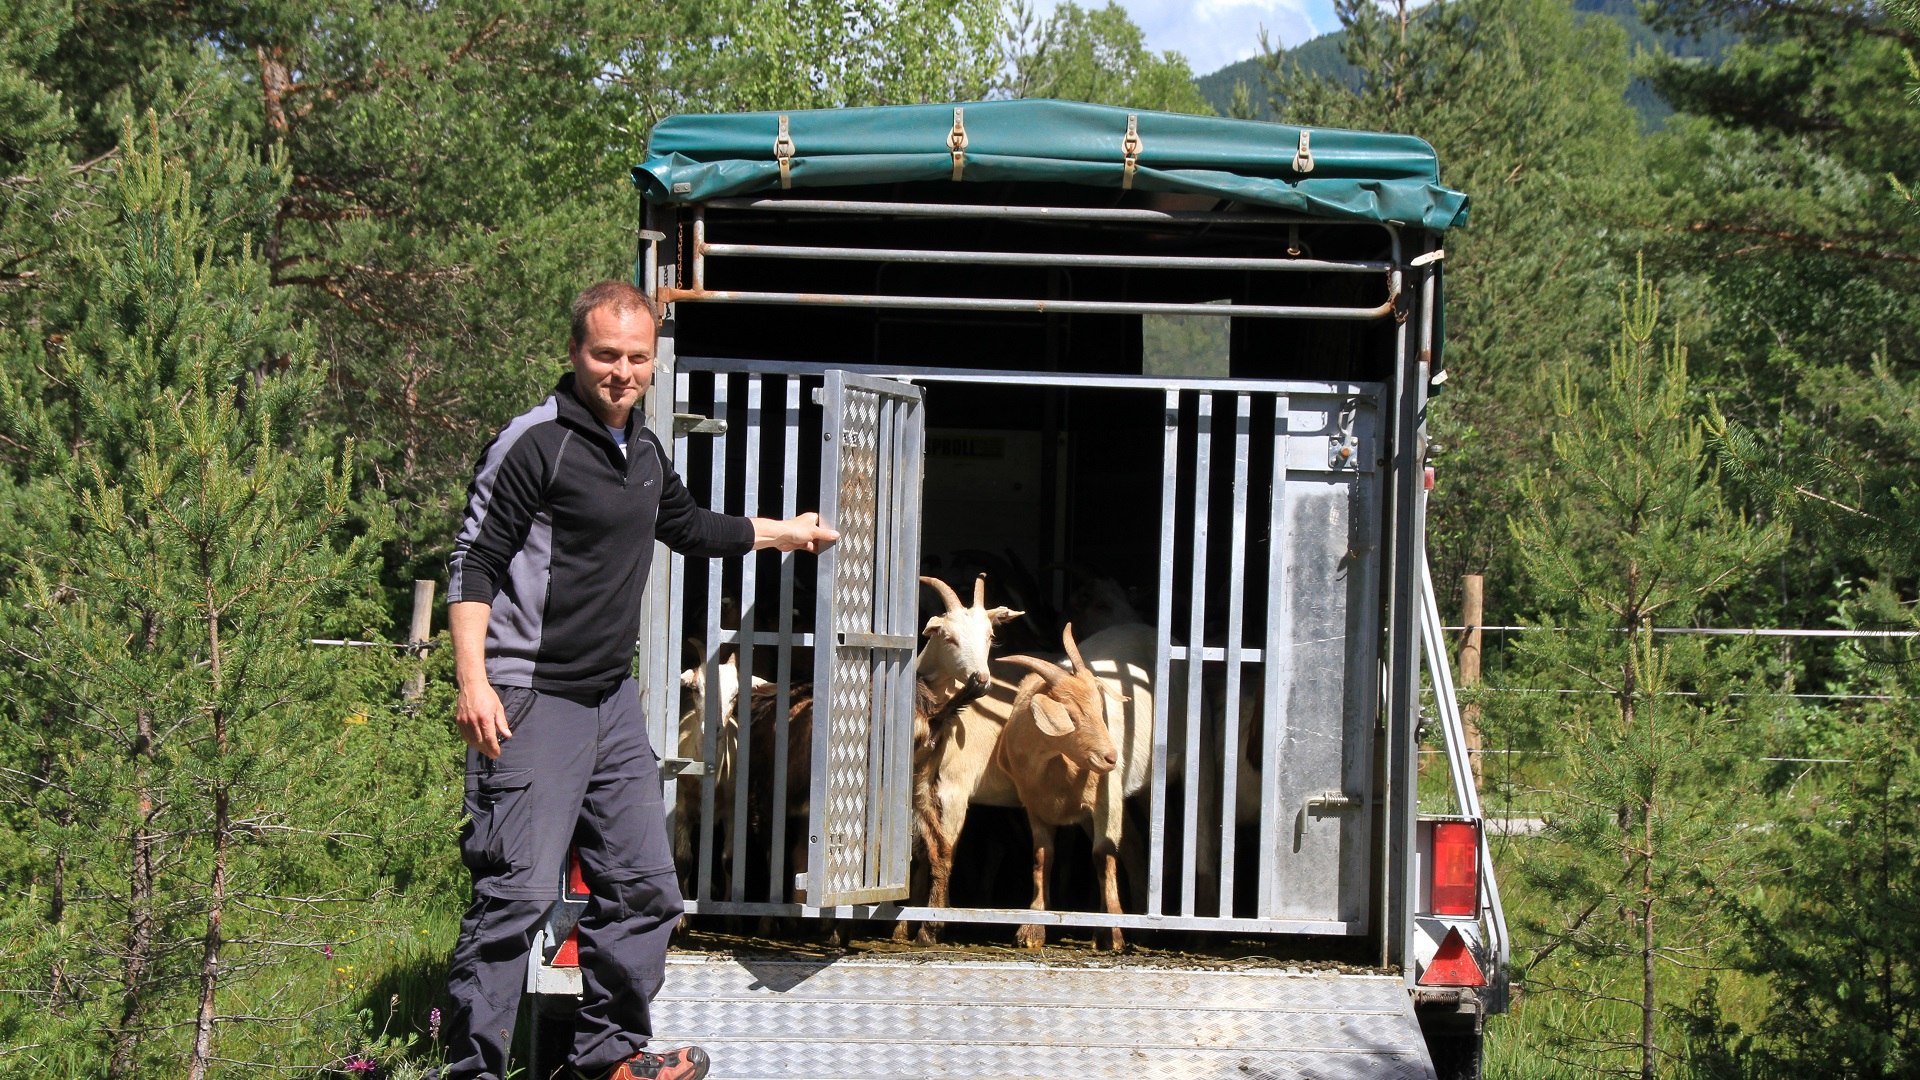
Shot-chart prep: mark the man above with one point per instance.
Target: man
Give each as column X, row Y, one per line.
column 544, row 608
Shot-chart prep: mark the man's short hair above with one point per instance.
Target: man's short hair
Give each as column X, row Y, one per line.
column 618, row 295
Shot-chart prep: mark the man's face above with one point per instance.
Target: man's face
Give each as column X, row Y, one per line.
column 613, row 365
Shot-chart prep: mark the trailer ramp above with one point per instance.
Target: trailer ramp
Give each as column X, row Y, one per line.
column 903, row 1019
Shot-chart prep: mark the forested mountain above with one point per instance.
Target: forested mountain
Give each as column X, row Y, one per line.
column 1322, row 57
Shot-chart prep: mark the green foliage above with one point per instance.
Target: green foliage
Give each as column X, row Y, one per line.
column 165, row 718
column 1772, row 187
column 1625, row 529
column 1097, row 55
column 30, row 111
column 1836, row 938
column 1523, row 102
column 747, row 55
column 458, row 170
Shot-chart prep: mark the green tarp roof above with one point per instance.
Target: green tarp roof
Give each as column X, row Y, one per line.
column 1355, row 175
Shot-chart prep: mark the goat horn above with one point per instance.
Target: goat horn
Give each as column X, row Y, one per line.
column 945, row 590
column 980, row 591
column 1048, row 670
column 1073, row 649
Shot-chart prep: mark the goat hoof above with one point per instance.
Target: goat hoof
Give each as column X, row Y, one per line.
column 900, row 934
column 1113, row 941
column 928, row 936
column 1030, row 936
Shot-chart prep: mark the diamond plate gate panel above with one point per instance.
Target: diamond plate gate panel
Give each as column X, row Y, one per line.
column 871, row 438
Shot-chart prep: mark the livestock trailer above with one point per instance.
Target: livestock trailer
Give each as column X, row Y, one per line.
column 1186, row 359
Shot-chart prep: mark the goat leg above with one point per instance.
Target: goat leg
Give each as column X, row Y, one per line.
column 943, row 825
column 1105, row 862
column 1034, row 935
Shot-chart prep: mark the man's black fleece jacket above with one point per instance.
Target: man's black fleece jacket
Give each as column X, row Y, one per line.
column 558, row 537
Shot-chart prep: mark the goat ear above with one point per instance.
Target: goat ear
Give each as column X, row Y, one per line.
column 931, row 623
column 690, row 678
column 1001, row 615
column 1051, row 717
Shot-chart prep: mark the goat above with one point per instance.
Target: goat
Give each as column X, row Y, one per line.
column 956, row 772
column 1243, row 760
column 1012, row 579
column 693, row 711
column 1076, row 744
column 950, row 670
column 1098, row 603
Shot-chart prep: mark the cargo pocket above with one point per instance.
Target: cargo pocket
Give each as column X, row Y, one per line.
column 497, row 840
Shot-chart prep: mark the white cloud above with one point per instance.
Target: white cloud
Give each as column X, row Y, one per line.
column 1214, row 33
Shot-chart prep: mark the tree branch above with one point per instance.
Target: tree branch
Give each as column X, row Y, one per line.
column 1801, row 240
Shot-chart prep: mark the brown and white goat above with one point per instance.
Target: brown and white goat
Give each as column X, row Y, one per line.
column 951, row 668
column 1077, row 743
column 694, row 696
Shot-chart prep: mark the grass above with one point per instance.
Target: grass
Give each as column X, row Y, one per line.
column 372, row 999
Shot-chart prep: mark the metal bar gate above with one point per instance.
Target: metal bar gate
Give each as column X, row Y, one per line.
column 1259, row 815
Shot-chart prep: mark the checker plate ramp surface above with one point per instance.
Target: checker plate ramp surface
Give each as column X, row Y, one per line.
column 770, row 1018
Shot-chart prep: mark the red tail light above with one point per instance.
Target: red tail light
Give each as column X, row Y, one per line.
column 1456, row 868
column 576, row 877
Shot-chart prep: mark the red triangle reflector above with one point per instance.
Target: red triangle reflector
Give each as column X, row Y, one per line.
column 1453, row 965
column 568, row 954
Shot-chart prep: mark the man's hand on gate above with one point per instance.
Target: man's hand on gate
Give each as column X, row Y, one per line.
column 803, row 532
column 482, row 719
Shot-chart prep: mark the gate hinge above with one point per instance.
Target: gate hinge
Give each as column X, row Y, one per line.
column 671, row 767
column 1334, row 800
column 1303, row 157
column 695, row 424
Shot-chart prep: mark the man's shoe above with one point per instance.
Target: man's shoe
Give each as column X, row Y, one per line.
column 685, row 1063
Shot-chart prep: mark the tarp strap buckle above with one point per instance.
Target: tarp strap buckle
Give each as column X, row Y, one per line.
column 783, row 153
column 1303, row 157
column 1130, row 146
column 957, row 142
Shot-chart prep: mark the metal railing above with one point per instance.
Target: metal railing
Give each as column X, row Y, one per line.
column 701, row 287
column 1439, row 670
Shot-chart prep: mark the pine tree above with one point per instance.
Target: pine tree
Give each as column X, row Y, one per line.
column 1626, row 531
column 187, row 533
column 1523, row 102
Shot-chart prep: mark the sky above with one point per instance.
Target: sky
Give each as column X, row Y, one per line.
column 1214, row 33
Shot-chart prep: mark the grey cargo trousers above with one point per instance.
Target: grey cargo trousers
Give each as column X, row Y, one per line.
column 581, row 773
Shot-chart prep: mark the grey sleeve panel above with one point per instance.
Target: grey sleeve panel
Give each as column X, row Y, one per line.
column 502, row 502
column 686, row 526
column 518, row 620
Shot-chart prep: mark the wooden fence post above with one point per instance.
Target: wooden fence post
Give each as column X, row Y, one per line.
column 1472, row 614
column 418, row 633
